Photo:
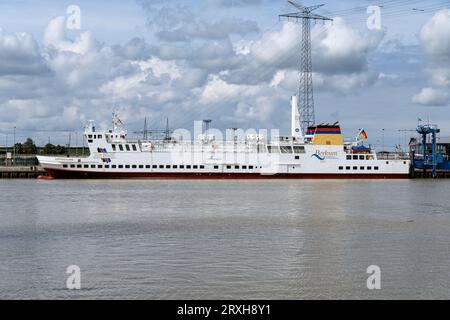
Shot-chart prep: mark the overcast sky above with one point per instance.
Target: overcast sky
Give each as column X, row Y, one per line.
column 231, row 61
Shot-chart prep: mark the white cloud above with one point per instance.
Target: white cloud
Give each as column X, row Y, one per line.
column 341, row 49
column 234, row 3
column 336, row 48
column 435, row 36
column 20, row 55
column 435, row 39
column 218, row 90
column 432, row 97
column 213, row 31
column 55, row 37
column 346, row 82
column 235, row 81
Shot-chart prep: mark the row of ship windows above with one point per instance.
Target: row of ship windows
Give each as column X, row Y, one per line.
column 90, row 136
column 134, row 166
column 360, row 157
column 360, row 168
column 270, row 149
column 286, row 149
column 95, row 136
column 127, row 147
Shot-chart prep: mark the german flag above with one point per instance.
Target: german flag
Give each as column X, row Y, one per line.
column 363, row 134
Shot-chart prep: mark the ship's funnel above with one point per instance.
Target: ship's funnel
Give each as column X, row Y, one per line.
column 296, row 132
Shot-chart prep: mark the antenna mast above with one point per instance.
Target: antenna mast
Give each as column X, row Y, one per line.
column 305, row 92
column 145, row 136
column 167, row 131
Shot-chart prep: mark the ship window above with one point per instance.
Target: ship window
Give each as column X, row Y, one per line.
column 86, row 166
column 369, row 168
column 175, row 167
column 341, row 168
column 167, row 166
column 64, row 165
column 113, row 166
column 161, row 166
column 92, row 166
column 244, row 167
column 286, row 149
column 90, row 136
column 95, row 136
column 228, row 167
column 297, row 157
column 100, row 166
column 154, row 166
column 134, row 166
column 194, row 167
column 107, row 166
column 202, row 167
column 120, row 166
column 127, row 147
column 349, row 157
column 236, row 167
column 113, row 147
column 90, row 141
column 299, row 149
column 216, row 167
column 99, row 136
column 141, row 166
column 147, row 166
column 387, row 162
column 182, row 166
column 120, row 147
column 250, row 167
column 355, row 157
column 361, row 157
column 347, row 168
column 375, row 168
column 134, row 147
column 273, row 149
column 127, row 166
column 355, row 168
column 188, row 166
column 72, row 166
column 361, row 168
column 370, row 157
column 78, row 165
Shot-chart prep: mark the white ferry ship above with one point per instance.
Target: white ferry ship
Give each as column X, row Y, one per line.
column 319, row 154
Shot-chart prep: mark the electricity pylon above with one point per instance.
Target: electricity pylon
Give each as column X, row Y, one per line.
column 305, row 92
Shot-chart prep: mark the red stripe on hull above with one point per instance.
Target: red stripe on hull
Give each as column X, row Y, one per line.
column 67, row 174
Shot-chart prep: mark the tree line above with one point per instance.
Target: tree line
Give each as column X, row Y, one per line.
column 29, row 147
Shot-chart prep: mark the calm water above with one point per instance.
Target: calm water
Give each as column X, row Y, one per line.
column 224, row 239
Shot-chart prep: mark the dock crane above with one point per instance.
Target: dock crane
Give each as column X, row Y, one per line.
column 429, row 160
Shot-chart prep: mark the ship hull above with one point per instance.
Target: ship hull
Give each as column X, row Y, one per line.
column 72, row 174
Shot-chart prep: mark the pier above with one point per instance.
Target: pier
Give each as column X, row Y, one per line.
column 428, row 173
column 21, row 172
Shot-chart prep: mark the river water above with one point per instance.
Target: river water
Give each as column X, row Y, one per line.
column 224, row 239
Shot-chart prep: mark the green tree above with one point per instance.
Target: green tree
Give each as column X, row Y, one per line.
column 29, row 147
column 60, row 149
column 52, row 149
column 49, row 149
column 18, row 147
